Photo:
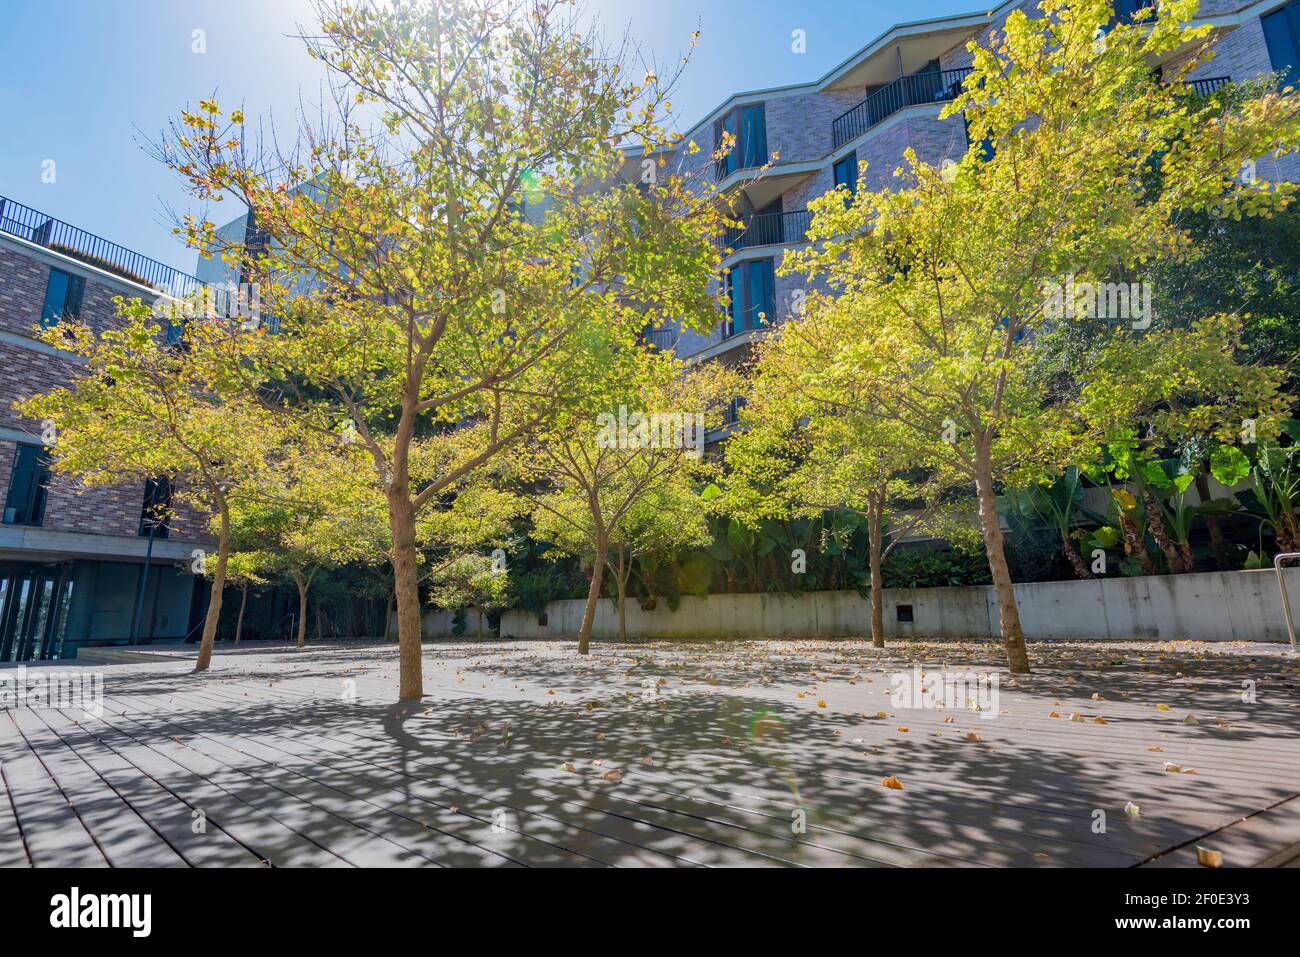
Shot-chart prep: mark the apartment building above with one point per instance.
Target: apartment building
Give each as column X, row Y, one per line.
column 78, row 566
column 872, row 107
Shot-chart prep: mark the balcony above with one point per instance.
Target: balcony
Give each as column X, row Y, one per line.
column 767, row 229
column 934, row 86
column 1209, row 85
column 36, row 227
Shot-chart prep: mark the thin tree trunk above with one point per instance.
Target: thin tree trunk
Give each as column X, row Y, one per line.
column 1013, row 637
column 407, row 589
column 593, row 594
column 1156, row 526
column 1134, row 546
column 218, row 586
column 388, row 615
column 239, row 622
column 1217, row 542
column 318, row 622
column 1077, row 562
column 875, row 531
column 622, row 596
column 302, row 608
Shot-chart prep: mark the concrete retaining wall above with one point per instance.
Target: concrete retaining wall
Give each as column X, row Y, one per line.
column 435, row 623
column 1209, row 606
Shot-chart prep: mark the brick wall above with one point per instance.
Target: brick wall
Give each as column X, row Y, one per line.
column 25, row 370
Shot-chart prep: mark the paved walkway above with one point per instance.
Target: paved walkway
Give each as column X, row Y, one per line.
column 719, row 754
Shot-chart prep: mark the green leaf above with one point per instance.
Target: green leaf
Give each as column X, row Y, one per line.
column 1229, row 465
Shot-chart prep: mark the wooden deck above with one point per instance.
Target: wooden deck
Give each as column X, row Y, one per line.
column 725, row 754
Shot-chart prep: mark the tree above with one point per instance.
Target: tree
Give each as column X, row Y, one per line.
column 314, row 510
column 660, row 524
column 592, row 478
column 953, row 276
column 453, row 242
column 813, row 442
column 141, row 408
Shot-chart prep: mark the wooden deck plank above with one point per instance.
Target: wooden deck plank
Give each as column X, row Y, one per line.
column 267, row 732
column 13, row 852
column 123, row 836
column 507, row 829
column 744, row 809
column 200, row 844
column 417, row 831
column 272, row 840
column 55, row 835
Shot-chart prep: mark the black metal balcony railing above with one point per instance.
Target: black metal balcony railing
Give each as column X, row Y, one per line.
column 934, row 86
column 1209, row 85
column 663, row 339
column 34, row 226
column 767, row 229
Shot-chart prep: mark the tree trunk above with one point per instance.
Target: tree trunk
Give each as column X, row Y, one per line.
column 593, row 594
column 302, row 608
column 622, row 596
column 388, row 616
column 218, row 586
column 1156, row 526
column 876, row 547
column 407, row 590
column 1013, row 638
column 1221, row 557
column 1134, row 546
column 239, row 622
column 1077, row 561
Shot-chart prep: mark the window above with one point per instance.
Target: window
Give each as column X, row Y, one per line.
column 987, row 147
column 62, row 298
column 25, row 503
column 748, row 124
column 846, row 173
column 751, row 287
column 157, row 507
column 1127, row 11
column 1282, row 35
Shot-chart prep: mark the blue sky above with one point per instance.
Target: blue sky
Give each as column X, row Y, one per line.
column 86, row 82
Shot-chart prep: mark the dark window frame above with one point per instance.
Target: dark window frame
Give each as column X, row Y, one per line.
column 74, row 292
column 1282, row 39
column 845, row 172
column 748, row 124
column 156, row 509
column 34, row 474
column 752, row 276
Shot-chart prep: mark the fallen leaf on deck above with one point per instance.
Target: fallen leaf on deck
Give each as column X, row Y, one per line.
column 1208, row 858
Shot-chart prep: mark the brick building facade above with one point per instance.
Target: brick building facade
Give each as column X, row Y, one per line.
column 73, row 560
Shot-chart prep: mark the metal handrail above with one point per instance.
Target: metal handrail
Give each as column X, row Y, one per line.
column 767, row 229
column 1209, row 84
column 931, row 86
column 1286, row 601
column 30, row 224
